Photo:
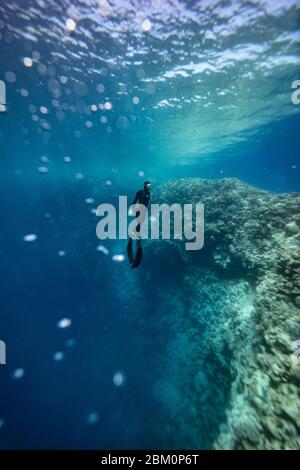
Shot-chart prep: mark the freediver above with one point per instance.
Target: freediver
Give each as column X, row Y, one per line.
column 141, row 197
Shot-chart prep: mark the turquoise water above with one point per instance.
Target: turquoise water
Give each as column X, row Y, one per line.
column 128, row 91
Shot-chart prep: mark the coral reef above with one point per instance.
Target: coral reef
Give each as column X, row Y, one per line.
column 233, row 309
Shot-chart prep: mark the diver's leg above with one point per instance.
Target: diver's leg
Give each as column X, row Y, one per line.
column 139, row 254
column 129, row 251
column 130, row 245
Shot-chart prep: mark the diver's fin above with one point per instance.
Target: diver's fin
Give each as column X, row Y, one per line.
column 138, row 257
column 129, row 251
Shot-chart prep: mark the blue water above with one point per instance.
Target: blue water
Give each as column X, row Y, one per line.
column 139, row 90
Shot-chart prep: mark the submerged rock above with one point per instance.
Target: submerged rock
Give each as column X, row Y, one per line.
column 238, row 298
column 292, row 228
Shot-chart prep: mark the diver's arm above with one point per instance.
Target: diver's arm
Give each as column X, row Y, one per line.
column 136, row 198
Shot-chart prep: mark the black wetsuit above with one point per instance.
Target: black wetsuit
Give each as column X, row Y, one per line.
column 141, row 197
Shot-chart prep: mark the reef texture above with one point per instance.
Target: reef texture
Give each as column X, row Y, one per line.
column 252, row 235
column 230, row 375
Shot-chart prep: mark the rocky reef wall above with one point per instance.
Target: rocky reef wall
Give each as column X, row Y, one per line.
column 238, row 301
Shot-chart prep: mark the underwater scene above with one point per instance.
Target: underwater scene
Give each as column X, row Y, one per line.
column 193, row 102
